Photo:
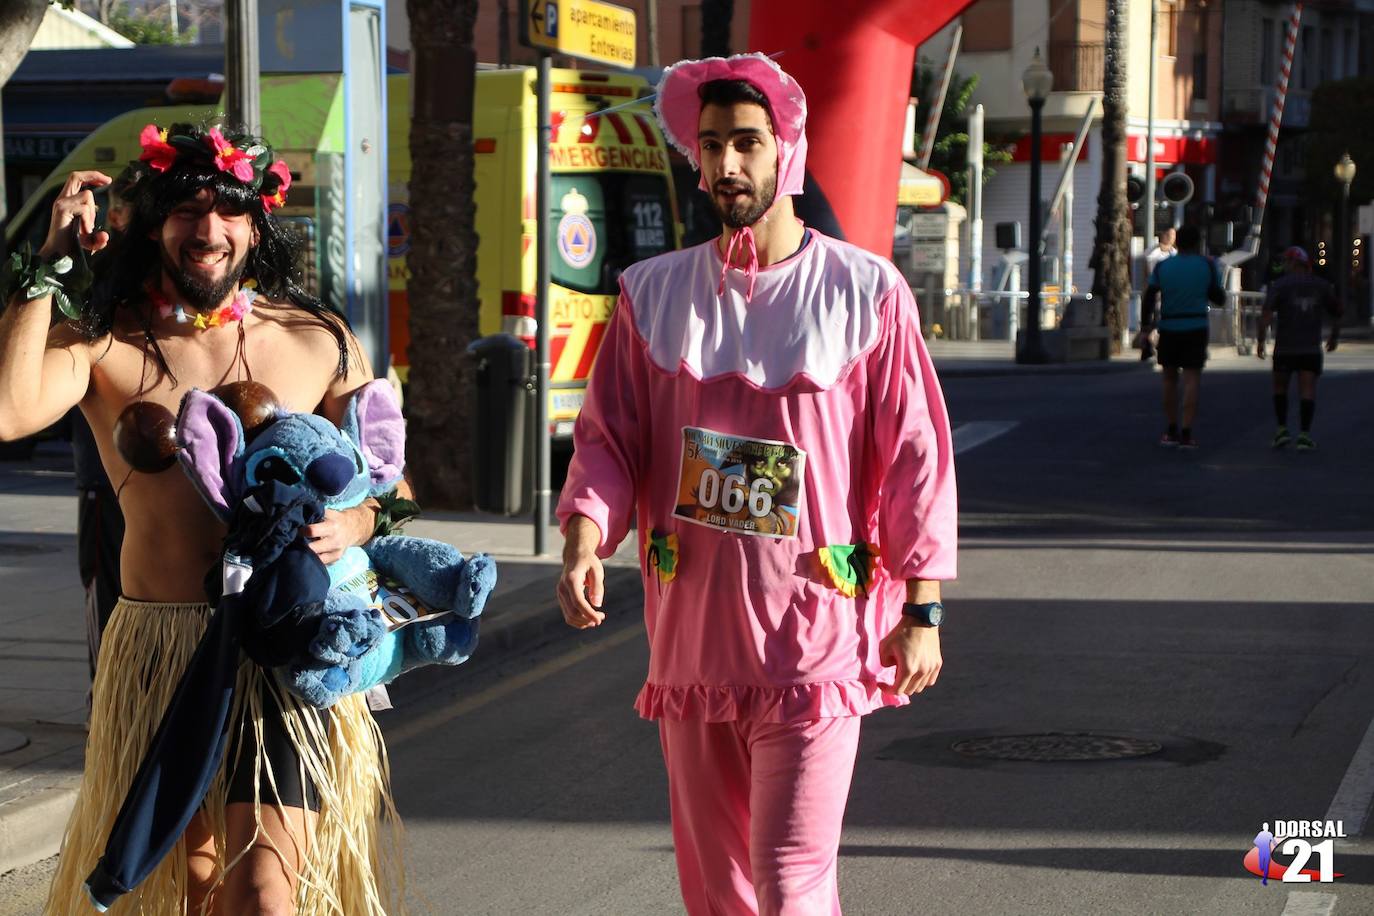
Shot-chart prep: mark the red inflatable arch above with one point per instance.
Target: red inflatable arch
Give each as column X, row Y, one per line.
column 853, row 60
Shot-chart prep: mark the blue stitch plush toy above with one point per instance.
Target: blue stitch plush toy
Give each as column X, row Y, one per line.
column 328, row 641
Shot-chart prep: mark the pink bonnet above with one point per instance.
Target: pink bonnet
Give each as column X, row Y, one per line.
column 678, row 107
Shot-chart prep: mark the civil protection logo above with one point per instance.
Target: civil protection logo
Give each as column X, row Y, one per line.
column 1294, row 839
column 576, row 234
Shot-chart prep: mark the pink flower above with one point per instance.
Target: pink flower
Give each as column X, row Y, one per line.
column 228, row 157
column 157, row 152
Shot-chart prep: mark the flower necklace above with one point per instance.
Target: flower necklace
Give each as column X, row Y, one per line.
column 240, row 306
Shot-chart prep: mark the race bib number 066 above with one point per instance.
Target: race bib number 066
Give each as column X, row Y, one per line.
column 734, row 483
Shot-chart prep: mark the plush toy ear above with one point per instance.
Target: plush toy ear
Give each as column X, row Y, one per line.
column 373, row 421
column 209, row 440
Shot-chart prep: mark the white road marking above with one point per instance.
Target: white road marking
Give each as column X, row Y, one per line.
column 440, row 717
column 1353, row 797
column 968, row 436
column 1306, row 903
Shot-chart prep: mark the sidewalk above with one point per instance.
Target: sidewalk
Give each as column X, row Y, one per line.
column 43, row 669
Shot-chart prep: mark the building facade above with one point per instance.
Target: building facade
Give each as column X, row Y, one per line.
column 1000, row 38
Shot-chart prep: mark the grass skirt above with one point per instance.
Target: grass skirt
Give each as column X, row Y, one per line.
column 351, row 856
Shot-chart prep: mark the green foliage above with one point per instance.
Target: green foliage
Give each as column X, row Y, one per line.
column 144, row 28
column 66, row 279
column 1342, row 121
column 949, row 155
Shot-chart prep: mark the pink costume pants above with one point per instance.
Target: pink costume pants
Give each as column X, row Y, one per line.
column 757, row 808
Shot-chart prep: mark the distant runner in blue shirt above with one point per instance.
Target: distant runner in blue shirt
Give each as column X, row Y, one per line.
column 1297, row 303
column 1183, row 286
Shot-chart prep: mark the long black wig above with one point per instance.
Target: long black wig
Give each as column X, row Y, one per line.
column 134, row 259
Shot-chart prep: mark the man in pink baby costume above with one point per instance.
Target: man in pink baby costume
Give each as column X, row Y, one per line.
column 764, row 412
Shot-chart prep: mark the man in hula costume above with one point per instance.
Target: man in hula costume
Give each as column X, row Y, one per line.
column 201, row 290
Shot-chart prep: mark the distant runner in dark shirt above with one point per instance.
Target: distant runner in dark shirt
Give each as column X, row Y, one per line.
column 1298, row 302
column 1183, row 285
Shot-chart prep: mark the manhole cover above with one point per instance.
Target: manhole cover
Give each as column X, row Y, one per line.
column 1056, row 747
column 24, row 550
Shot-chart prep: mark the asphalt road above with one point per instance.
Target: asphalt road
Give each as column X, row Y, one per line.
column 1215, row 605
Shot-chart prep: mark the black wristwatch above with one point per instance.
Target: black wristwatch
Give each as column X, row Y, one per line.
column 930, row 614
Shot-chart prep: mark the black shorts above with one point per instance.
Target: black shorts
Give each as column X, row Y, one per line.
column 1298, row 362
column 292, row 789
column 1182, row 349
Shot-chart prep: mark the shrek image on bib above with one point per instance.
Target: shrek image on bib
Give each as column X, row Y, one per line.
column 740, row 484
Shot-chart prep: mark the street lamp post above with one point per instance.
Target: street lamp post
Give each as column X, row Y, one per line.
column 1345, row 174
column 1037, row 82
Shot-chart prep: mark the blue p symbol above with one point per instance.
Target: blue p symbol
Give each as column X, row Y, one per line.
column 551, row 20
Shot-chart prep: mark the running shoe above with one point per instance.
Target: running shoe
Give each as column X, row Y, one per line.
column 1282, row 438
column 1187, row 442
column 1168, row 440
column 1305, row 443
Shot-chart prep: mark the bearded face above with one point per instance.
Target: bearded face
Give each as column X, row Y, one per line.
column 204, row 248
column 739, row 159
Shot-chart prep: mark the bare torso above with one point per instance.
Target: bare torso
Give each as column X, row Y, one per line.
column 171, row 538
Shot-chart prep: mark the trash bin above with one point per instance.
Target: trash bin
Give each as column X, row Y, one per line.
column 503, row 418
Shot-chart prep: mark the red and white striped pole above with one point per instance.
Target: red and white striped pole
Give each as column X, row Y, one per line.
column 1275, row 120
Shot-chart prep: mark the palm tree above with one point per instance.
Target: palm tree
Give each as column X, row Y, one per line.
column 1110, row 260
column 443, row 256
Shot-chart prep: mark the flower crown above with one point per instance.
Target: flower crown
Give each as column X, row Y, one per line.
column 248, row 159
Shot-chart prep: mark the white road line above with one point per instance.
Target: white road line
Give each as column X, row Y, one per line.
column 1351, row 803
column 968, row 436
column 1306, row 903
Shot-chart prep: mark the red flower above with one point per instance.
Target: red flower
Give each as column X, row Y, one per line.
column 157, row 152
column 278, row 198
column 228, row 157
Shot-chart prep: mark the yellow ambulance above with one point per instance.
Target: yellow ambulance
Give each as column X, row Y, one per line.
column 612, row 205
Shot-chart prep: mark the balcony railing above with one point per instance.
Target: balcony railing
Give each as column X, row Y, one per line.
column 1077, row 66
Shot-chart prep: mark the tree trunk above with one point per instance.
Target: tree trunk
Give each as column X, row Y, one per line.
column 1111, row 249
column 716, row 16
column 19, row 21
column 443, row 256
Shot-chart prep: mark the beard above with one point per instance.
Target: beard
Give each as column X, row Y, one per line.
column 745, row 211
column 201, row 293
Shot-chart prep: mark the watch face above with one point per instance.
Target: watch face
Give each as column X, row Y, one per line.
column 937, row 614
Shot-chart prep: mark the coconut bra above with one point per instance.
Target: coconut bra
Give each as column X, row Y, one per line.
column 145, row 431
column 145, row 435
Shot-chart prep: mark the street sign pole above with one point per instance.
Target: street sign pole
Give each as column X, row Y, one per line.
column 543, row 190
column 595, row 31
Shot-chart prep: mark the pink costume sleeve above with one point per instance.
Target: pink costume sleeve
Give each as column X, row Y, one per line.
column 912, row 451
column 607, row 436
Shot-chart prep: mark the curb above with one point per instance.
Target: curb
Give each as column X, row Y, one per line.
column 31, row 827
